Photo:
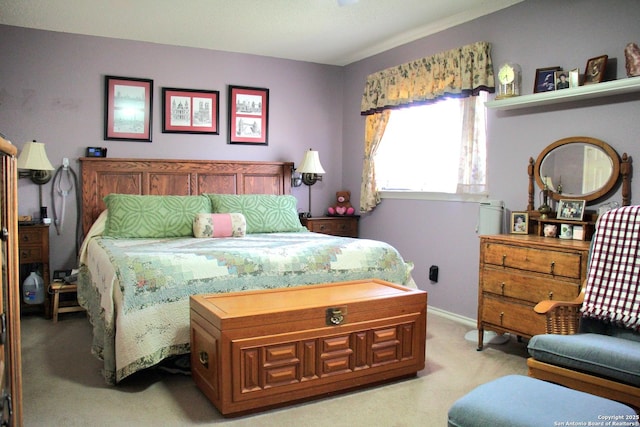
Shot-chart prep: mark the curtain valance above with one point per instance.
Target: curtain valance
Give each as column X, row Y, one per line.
column 459, row 72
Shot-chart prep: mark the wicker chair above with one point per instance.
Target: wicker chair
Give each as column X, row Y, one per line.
column 586, row 353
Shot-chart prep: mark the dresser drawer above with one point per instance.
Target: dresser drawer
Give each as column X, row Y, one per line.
column 527, row 286
column 29, row 255
column 336, row 226
column 513, row 316
column 539, row 260
column 30, row 236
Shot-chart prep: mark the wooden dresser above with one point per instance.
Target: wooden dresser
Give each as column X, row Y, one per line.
column 256, row 349
column 518, row 271
column 345, row 226
column 34, row 251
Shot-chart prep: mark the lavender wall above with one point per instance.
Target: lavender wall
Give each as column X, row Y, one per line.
column 51, row 89
column 534, row 34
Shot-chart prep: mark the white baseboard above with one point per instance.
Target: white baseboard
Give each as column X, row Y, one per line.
column 472, row 323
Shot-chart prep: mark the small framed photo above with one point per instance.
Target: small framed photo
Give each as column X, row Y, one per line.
column 595, row 69
column 190, row 111
column 127, row 108
column 519, row 222
column 571, row 210
column 545, row 79
column 248, row 115
column 562, row 79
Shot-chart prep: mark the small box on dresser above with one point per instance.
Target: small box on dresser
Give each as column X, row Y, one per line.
column 517, row 272
column 257, row 349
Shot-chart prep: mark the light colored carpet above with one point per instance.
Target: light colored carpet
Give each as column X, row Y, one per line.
column 63, row 386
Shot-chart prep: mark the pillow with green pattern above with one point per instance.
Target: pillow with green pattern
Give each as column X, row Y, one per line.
column 152, row 216
column 265, row 213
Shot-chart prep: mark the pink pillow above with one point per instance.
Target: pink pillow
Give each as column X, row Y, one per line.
column 219, row 225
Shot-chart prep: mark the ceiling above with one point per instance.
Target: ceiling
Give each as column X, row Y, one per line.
column 319, row 31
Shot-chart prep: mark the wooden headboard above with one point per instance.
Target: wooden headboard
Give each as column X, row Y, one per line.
column 102, row 176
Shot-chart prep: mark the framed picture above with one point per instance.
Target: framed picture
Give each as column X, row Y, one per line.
column 574, row 77
column 190, row 111
column 545, row 79
column 571, row 210
column 248, row 115
column 519, row 222
column 127, row 108
column 562, row 79
column 595, row 69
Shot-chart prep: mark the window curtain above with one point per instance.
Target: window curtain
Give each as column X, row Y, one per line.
column 374, row 129
column 472, row 176
column 460, row 72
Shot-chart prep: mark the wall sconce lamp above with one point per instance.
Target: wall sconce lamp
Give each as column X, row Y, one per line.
column 310, row 171
column 35, row 165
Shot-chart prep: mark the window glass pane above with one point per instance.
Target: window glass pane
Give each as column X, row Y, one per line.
column 421, row 147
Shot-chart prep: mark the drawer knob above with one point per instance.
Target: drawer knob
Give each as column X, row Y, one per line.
column 553, row 264
column 504, row 257
column 550, row 295
column 203, row 357
column 501, row 316
column 502, row 288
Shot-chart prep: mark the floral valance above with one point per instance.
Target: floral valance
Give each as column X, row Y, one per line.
column 459, row 72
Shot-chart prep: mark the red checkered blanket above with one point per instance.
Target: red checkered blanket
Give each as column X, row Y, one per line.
column 613, row 280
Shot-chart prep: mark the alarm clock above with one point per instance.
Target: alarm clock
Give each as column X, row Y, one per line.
column 509, row 80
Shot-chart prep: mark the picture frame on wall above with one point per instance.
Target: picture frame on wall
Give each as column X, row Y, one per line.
column 545, row 79
column 595, row 70
column 519, row 223
column 128, row 108
column 248, row 115
column 191, row 111
column 571, row 210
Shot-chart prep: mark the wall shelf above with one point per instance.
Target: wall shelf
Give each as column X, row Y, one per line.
column 599, row 90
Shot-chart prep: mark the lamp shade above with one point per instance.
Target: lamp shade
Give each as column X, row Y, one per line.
column 34, row 157
column 310, row 163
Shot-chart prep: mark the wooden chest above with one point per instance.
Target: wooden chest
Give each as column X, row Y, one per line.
column 517, row 272
column 257, row 349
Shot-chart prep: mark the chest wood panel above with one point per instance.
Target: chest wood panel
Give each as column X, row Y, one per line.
column 257, row 349
column 516, row 272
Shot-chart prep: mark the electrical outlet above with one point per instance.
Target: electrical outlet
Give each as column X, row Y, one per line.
column 433, row 273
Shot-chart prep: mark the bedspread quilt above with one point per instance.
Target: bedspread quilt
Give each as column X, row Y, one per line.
column 136, row 291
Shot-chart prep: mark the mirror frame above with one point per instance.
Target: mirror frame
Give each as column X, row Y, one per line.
column 621, row 169
column 605, row 189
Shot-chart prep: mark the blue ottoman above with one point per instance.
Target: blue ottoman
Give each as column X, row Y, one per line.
column 519, row 401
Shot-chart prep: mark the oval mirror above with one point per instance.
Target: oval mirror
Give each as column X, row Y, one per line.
column 577, row 167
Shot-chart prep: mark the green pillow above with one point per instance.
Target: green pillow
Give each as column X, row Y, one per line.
column 265, row 213
column 152, row 216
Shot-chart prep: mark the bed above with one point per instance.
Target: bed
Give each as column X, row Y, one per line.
column 144, row 254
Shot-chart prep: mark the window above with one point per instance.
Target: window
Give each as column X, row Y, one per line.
column 438, row 148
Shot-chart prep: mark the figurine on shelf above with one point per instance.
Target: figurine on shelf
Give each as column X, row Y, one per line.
column 544, row 208
column 632, row 59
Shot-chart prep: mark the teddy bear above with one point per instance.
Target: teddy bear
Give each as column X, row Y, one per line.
column 343, row 205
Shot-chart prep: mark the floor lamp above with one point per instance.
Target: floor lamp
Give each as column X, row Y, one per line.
column 311, row 171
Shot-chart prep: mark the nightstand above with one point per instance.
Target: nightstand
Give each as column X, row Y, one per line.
column 33, row 249
column 345, row 226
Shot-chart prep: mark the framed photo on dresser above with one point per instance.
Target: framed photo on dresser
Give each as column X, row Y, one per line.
column 519, row 223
